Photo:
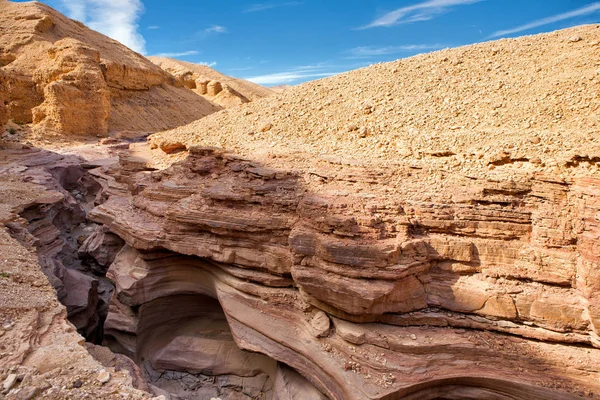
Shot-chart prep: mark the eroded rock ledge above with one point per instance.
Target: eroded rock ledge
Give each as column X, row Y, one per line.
column 474, row 289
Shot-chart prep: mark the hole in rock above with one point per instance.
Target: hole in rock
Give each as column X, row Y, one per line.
column 185, row 347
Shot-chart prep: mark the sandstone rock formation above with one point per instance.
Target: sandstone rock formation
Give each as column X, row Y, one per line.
column 367, row 294
column 219, row 88
column 419, row 229
column 41, row 354
column 67, row 79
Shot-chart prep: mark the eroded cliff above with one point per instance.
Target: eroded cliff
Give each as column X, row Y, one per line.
column 477, row 289
column 67, row 79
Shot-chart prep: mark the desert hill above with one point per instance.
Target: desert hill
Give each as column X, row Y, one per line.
column 68, row 79
column 530, row 102
column 222, row 89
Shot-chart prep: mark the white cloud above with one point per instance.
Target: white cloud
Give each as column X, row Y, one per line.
column 287, row 77
column 264, row 6
column 208, row 64
column 417, row 12
column 294, row 75
column 76, row 9
column 153, row 27
column 372, row 51
column 180, row 54
column 114, row 18
column 216, row 29
column 592, row 8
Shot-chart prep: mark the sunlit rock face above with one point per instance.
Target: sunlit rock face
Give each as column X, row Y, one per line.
column 482, row 294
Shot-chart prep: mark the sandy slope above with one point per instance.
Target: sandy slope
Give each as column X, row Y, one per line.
column 513, row 106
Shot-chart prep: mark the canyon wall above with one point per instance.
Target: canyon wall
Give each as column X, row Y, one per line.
column 486, row 292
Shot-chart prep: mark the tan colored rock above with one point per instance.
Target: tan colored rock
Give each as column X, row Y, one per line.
column 9, row 382
column 213, row 88
column 69, row 80
column 171, row 148
column 76, row 96
column 103, row 377
column 243, row 90
column 320, row 324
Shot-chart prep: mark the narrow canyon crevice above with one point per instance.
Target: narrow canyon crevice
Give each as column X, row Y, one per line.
column 184, row 348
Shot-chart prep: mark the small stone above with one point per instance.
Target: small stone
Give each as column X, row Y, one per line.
column 103, row 377
column 171, row 148
column 535, row 140
column 413, row 336
column 535, row 160
column 9, row 382
column 78, row 383
column 574, row 39
column 28, row 393
column 266, row 127
column 320, row 325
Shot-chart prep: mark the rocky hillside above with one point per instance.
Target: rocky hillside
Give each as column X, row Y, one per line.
column 221, row 89
column 70, row 80
column 529, row 103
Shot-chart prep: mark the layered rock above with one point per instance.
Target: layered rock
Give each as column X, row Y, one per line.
column 73, row 254
column 473, row 289
column 42, row 356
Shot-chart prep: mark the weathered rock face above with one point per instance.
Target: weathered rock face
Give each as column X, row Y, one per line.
column 221, row 89
column 3, row 99
column 74, row 255
column 67, row 79
column 76, row 96
column 485, row 291
column 42, row 354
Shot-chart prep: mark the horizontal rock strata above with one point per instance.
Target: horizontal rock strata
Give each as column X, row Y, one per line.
column 484, row 292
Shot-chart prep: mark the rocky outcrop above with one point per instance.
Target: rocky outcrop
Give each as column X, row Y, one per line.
column 216, row 87
column 73, row 254
column 480, row 293
column 41, row 354
column 76, row 96
column 3, row 99
column 69, row 80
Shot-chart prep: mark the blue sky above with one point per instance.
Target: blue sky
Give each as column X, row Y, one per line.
column 277, row 42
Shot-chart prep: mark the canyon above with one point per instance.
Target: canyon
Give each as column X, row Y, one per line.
column 421, row 229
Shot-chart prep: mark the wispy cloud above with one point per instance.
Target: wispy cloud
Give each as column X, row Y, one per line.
column 268, row 6
column 240, row 69
column 418, row 12
column 117, row 19
column 372, row 51
column 590, row 9
column 180, row 54
column 153, row 27
column 295, row 74
column 216, row 29
column 208, row 64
